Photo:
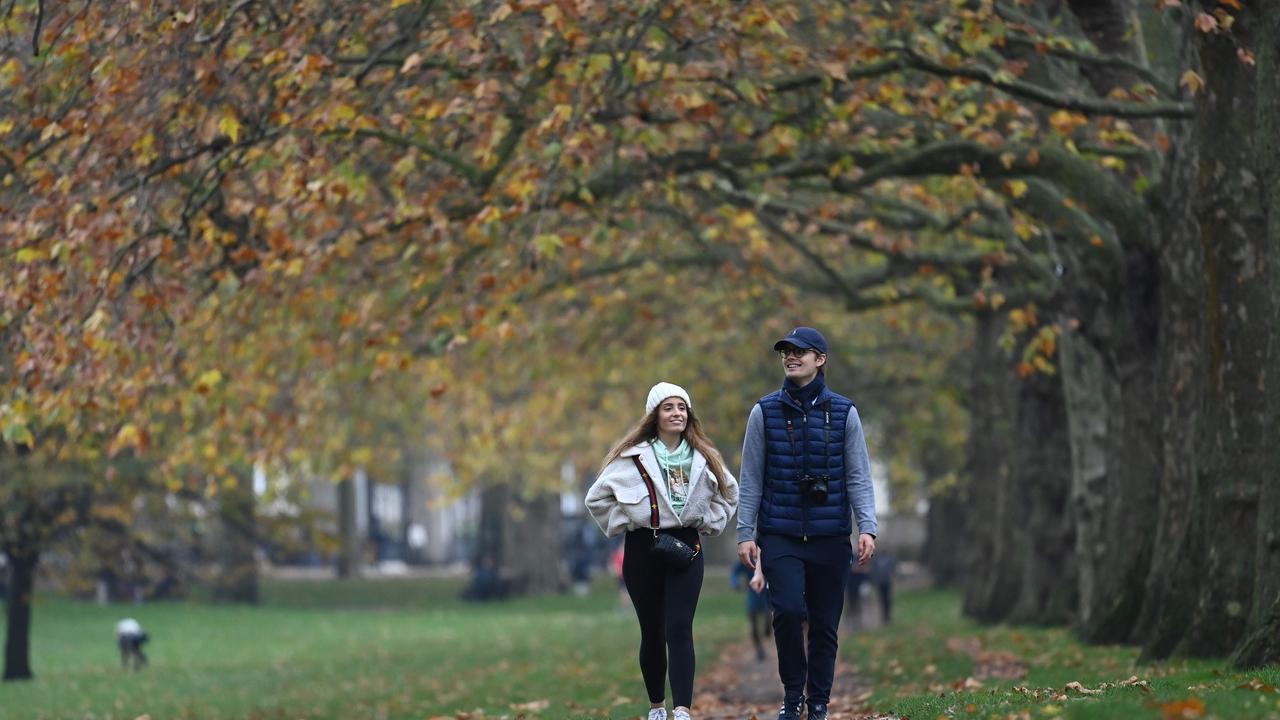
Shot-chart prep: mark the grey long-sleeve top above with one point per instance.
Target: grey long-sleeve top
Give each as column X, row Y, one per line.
column 857, row 464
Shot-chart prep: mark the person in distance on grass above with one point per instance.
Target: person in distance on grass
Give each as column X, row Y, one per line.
column 806, row 477
column 130, row 637
column 757, row 603
column 693, row 494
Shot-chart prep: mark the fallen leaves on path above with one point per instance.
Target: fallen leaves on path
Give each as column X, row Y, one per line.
column 741, row 687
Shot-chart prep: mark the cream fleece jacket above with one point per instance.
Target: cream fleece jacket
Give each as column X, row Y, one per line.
column 619, row 501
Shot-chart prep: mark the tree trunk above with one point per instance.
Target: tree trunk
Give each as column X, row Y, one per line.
column 993, row 564
column 532, row 561
column 944, row 535
column 349, row 544
column 1109, row 377
column 22, row 585
column 1262, row 645
column 1088, row 387
column 237, row 577
column 1172, row 580
column 1048, row 589
column 1237, row 308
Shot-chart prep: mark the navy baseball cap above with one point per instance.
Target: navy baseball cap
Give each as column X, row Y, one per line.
column 804, row 338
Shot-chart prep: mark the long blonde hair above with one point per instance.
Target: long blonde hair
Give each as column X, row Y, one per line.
column 647, row 429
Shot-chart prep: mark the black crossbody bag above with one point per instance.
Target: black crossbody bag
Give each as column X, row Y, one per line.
column 669, row 549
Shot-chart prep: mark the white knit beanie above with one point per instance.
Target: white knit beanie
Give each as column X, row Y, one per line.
column 662, row 391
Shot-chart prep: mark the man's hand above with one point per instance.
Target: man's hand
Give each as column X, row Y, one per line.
column 748, row 553
column 866, row 548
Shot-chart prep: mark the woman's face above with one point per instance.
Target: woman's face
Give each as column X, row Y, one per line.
column 673, row 416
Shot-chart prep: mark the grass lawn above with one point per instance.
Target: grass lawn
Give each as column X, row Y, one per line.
column 921, row 664
column 386, row 649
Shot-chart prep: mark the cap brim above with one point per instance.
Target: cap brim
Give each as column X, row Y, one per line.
column 793, row 343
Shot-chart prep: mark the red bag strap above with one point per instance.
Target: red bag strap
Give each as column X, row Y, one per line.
column 653, row 499
column 653, row 495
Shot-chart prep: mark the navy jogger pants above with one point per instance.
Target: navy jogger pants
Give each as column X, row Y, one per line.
column 806, row 582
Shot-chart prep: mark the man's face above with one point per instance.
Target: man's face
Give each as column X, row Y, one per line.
column 801, row 365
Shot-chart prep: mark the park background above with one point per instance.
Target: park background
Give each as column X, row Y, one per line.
column 370, row 288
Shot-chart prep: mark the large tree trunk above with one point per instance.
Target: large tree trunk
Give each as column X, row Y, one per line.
column 1262, row 645
column 1237, row 308
column 992, row 552
column 1048, row 590
column 22, row 585
column 520, row 536
column 1173, row 578
column 1110, row 380
column 236, row 579
column 1088, row 388
column 533, row 545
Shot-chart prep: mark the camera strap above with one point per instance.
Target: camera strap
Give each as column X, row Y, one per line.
column 804, row 449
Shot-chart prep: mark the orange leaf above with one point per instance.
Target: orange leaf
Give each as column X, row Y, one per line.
column 1178, row 709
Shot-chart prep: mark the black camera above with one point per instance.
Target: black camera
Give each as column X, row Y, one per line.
column 815, row 486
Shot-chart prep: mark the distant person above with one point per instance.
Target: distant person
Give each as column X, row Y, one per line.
column 664, row 478
column 131, row 637
column 758, row 615
column 485, row 583
column 580, row 571
column 881, row 577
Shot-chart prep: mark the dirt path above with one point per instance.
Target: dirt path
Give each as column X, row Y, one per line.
column 740, row 687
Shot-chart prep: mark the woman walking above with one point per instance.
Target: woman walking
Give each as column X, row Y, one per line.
column 664, row 478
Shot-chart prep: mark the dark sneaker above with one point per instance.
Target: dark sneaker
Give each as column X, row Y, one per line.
column 791, row 709
column 817, row 712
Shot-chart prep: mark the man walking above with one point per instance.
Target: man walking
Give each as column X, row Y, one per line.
column 805, row 478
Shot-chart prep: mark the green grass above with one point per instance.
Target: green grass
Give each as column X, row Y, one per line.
column 919, row 666
column 409, row 649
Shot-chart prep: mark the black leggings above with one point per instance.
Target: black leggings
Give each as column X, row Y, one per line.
column 665, row 601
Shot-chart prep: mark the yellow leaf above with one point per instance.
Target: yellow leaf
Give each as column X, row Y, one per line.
column 129, row 435
column 230, row 126
column 547, row 244
column 744, row 219
column 1017, row 188
column 28, row 255
column 1192, row 81
column 398, row 3
column 207, row 381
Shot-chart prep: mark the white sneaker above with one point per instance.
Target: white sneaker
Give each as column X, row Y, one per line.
column 658, row 713
column 682, row 714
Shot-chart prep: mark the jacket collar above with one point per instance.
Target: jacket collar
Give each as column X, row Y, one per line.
column 789, row 397
column 650, row 461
